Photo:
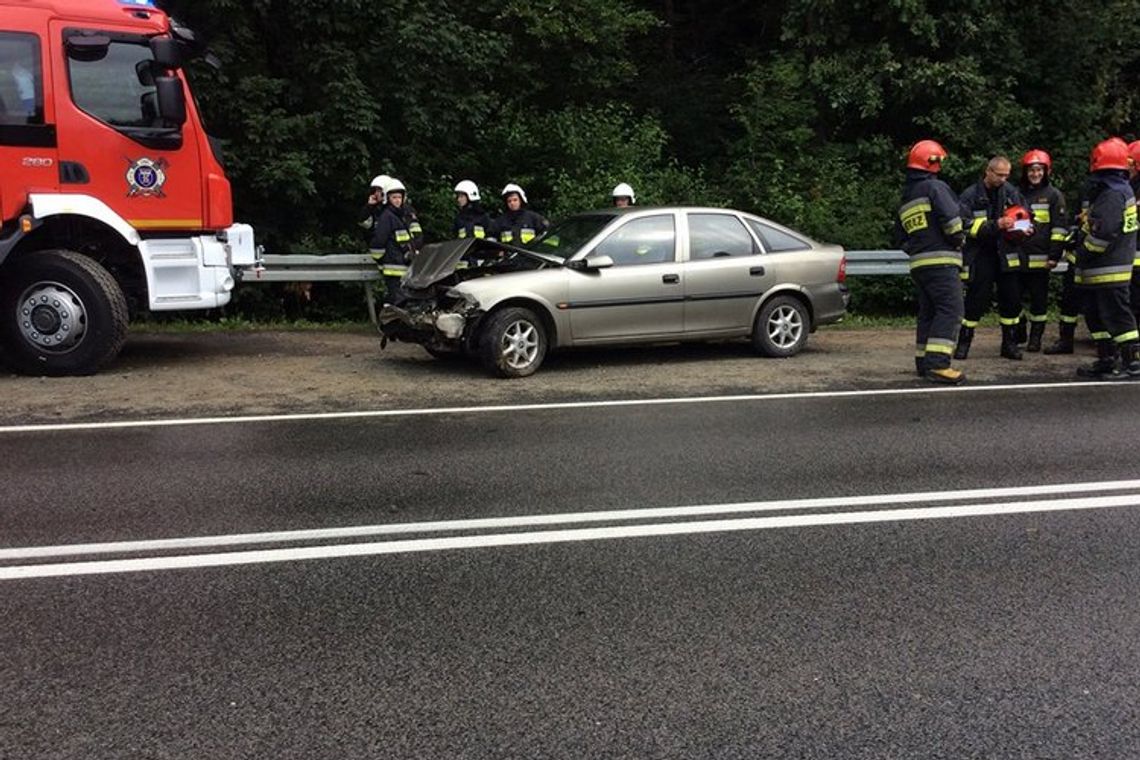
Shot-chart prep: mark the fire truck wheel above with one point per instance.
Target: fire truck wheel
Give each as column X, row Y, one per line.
column 61, row 313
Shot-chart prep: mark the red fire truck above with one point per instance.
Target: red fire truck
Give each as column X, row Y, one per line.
column 113, row 199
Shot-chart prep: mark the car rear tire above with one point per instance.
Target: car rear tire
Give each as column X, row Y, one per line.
column 512, row 342
column 782, row 327
column 61, row 313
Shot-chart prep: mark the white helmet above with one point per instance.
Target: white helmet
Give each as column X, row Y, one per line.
column 468, row 188
column 395, row 186
column 381, row 181
column 624, row 190
column 513, row 188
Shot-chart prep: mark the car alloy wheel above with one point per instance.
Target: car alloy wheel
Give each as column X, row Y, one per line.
column 785, row 326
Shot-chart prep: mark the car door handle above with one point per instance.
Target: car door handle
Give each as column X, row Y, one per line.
column 756, row 271
column 670, row 279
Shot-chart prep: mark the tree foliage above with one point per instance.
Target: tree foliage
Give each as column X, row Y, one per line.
column 800, row 110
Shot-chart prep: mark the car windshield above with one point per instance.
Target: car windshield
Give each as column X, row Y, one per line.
column 567, row 237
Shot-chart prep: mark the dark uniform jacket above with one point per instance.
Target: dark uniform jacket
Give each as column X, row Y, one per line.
column 518, row 227
column 472, row 221
column 1050, row 226
column 393, row 241
column 980, row 209
column 928, row 225
column 1107, row 245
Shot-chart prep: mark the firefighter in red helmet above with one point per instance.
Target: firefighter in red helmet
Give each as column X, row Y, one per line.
column 929, row 228
column 1041, row 250
column 1105, row 251
column 991, row 256
column 1134, row 181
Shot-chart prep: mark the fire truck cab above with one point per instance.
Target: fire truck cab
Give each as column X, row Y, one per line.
column 113, row 199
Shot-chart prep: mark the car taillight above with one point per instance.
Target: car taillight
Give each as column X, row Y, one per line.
column 841, row 277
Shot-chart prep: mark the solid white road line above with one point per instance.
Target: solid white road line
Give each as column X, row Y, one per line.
column 525, row 521
column 102, row 567
column 316, row 416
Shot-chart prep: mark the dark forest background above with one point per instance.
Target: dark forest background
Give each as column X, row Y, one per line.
column 799, row 111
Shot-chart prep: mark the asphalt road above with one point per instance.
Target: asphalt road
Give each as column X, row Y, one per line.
column 777, row 628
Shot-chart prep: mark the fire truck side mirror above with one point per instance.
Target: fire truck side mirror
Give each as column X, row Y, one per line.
column 88, row 48
column 166, row 51
column 171, row 100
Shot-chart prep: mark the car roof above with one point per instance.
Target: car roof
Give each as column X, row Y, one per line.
column 697, row 210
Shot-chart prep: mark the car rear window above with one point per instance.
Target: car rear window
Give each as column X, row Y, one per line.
column 777, row 240
column 718, row 235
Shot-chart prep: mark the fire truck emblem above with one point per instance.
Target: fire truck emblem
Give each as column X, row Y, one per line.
column 145, row 177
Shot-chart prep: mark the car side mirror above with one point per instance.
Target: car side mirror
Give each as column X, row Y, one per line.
column 166, row 51
column 597, row 262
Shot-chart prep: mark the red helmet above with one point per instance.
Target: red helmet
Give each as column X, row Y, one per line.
column 926, row 155
column 1037, row 156
column 1110, row 154
column 1134, row 154
column 1018, row 214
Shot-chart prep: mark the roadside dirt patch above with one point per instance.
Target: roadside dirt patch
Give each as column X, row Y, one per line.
column 257, row 372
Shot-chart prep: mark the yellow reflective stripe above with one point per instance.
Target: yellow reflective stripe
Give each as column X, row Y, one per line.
column 1038, row 317
column 1130, row 221
column 1007, row 321
column 976, row 226
column 1101, row 279
column 1100, row 336
column 1013, row 260
column 964, row 274
column 969, row 323
column 1069, row 320
column 376, row 255
column 394, row 271
column 1095, row 245
column 462, row 233
column 403, row 236
column 507, row 236
column 1133, row 335
column 527, row 235
column 938, row 348
column 952, row 227
column 479, row 232
column 1041, row 217
column 1058, row 234
column 415, row 228
column 1070, row 257
column 939, row 261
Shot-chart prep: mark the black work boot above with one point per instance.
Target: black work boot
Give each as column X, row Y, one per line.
column 1104, row 368
column 1130, row 360
column 1036, row 333
column 1020, row 333
column 965, row 338
column 1009, row 349
column 1064, row 343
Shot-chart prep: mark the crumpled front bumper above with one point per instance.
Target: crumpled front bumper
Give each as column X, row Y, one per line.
column 427, row 322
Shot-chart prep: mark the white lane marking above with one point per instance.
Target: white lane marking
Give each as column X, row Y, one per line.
column 261, row 556
column 380, row 413
column 523, row 521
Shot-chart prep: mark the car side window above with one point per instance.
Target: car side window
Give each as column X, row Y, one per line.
column 649, row 240
column 714, row 236
column 21, row 81
column 777, row 240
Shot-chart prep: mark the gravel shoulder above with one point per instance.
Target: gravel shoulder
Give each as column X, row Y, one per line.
column 258, row 372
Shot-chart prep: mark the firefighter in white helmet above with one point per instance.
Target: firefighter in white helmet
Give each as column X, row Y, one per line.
column 375, row 205
column 517, row 225
column 395, row 239
column 471, row 221
column 623, row 196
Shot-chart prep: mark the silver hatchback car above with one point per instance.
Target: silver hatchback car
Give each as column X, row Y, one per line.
column 620, row 276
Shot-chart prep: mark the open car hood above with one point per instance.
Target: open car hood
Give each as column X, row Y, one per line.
column 439, row 260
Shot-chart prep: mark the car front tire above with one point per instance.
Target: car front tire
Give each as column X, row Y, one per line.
column 513, row 343
column 782, row 327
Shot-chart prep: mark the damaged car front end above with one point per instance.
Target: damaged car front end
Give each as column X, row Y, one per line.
column 432, row 311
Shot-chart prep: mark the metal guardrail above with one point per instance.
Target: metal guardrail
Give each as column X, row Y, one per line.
column 354, row 267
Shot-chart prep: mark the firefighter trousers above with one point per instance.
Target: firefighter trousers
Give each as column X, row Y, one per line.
column 985, row 272
column 1070, row 305
column 939, row 291
column 1108, row 313
column 1134, row 293
column 1035, row 284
